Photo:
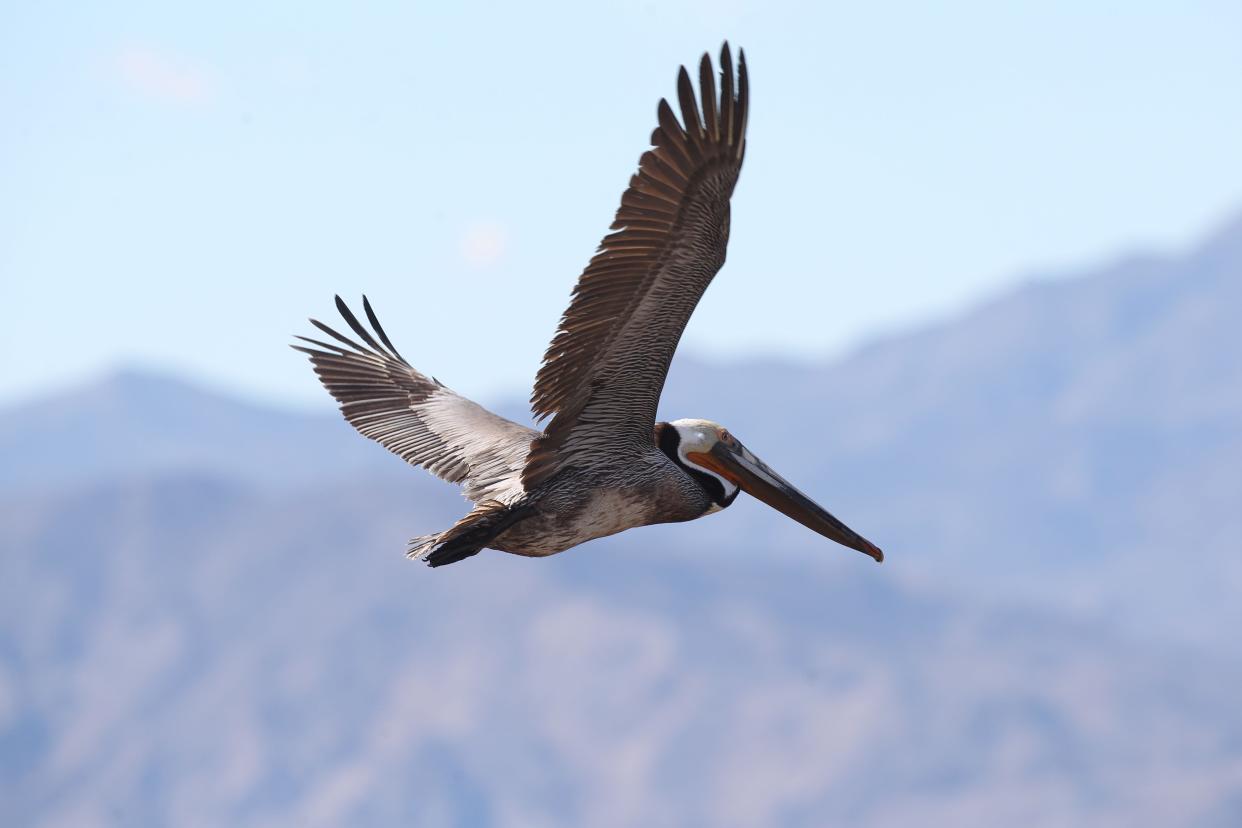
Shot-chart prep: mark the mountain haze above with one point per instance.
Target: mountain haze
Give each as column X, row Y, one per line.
column 206, row 618
column 213, row 657
column 132, row 423
column 1078, row 440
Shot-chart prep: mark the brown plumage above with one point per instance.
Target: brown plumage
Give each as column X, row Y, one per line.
column 602, row 464
column 611, row 353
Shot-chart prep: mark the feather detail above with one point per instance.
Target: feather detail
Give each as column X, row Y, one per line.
column 415, row 416
column 606, row 365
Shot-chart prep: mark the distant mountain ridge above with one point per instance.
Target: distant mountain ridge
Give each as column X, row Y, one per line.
column 206, row 617
column 1077, row 439
column 184, row 651
column 1074, row 441
column 132, row 423
column 1001, row 353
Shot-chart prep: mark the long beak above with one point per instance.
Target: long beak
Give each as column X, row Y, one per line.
column 757, row 479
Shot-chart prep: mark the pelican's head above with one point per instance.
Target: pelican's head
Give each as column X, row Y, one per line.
column 723, row 467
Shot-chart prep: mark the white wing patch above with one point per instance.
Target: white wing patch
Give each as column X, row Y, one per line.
column 415, row 417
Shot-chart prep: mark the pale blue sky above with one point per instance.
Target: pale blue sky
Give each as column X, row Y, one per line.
column 180, row 188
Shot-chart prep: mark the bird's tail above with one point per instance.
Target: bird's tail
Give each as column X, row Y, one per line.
column 468, row 535
column 419, row 547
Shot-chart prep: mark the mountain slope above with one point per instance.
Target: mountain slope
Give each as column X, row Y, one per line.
column 220, row 658
column 133, row 424
column 1075, row 441
column 205, row 616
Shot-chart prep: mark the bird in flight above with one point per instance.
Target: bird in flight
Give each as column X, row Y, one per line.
column 603, row 464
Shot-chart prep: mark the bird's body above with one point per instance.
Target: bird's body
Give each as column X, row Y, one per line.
column 578, row 506
column 602, row 465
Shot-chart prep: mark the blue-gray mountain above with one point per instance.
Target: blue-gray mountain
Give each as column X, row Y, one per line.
column 133, row 424
column 205, row 616
column 182, row 651
column 1078, row 441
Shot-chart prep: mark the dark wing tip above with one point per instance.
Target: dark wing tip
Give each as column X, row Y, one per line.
column 701, row 142
column 743, row 101
column 360, row 330
column 689, row 106
column 707, row 93
column 378, row 328
column 371, row 347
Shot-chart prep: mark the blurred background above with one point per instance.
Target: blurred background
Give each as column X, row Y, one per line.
column 982, row 302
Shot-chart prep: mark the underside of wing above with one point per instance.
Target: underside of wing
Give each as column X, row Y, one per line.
column 603, row 372
column 415, row 416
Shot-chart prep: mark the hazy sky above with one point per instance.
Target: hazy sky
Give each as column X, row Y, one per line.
column 180, row 188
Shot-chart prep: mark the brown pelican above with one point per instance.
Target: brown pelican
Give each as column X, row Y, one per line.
column 603, row 464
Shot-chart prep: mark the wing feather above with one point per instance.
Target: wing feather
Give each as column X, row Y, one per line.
column 707, row 89
column 603, row 372
column 416, row 417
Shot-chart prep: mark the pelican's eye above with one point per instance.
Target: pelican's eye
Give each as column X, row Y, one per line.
column 725, row 436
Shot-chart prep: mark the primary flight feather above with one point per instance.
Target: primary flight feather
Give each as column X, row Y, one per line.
column 602, row 464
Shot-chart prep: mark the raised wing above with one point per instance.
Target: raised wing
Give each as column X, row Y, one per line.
column 603, row 373
column 416, row 417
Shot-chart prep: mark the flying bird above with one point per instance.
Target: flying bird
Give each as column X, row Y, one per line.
column 603, row 464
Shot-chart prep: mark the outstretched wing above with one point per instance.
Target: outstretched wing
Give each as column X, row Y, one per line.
column 603, row 373
column 416, row 417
